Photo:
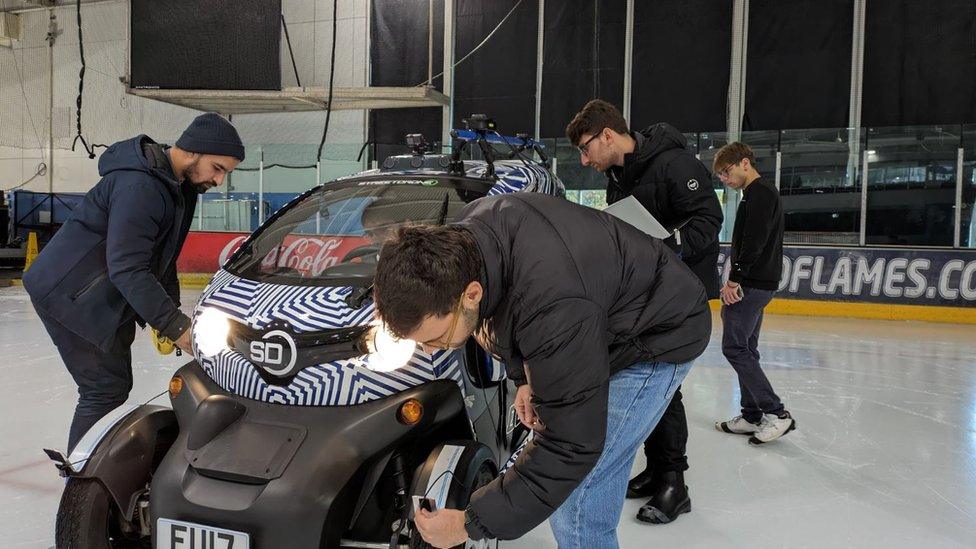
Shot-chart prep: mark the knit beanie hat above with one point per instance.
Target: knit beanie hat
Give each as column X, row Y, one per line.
column 211, row 134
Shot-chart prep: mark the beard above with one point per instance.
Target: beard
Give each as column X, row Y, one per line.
column 469, row 321
column 191, row 177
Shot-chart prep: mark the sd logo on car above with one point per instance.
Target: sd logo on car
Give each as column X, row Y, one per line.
column 275, row 352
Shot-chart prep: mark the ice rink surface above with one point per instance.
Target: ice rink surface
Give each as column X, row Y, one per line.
column 884, row 454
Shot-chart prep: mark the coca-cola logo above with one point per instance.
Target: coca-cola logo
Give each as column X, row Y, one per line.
column 230, row 248
column 307, row 255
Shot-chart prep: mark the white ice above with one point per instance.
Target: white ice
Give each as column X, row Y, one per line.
column 884, row 454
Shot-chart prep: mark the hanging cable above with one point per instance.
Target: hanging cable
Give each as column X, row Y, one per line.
column 478, row 47
column 328, row 111
column 90, row 149
column 290, row 52
column 41, row 170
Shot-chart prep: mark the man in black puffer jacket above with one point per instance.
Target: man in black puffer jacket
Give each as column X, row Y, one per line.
column 597, row 324
column 113, row 264
column 656, row 168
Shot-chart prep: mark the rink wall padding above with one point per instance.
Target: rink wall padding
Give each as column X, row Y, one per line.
column 936, row 285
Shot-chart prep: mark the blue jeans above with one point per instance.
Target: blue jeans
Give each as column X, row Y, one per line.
column 639, row 395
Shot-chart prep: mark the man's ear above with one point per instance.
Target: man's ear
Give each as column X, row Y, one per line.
column 473, row 294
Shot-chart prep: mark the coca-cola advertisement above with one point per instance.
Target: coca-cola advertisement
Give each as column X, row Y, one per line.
column 309, row 255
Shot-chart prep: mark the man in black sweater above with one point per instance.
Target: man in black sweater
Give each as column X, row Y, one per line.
column 757, row 265
column 655, row 167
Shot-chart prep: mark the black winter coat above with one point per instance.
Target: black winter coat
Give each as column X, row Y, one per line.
column 114, row 261
column 572, row 295
column 675, row 187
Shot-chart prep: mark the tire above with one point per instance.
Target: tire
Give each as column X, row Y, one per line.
column 88, row 519
column 486, row 472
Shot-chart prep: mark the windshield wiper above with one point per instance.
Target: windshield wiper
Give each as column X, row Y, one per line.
column 358, row 296
column 443, row 217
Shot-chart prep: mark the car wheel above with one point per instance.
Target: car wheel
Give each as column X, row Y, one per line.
column 486, row 472
column 88, row 519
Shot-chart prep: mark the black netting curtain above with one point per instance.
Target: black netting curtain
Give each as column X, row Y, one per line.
column 583, row 59
column 682, row 53
column 229, row 45
column 798, row 67
column 499, row 79
column 919, row 63
column 398, row 57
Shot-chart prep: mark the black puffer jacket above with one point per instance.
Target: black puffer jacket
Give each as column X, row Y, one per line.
column 676, row 189
column 574, row 295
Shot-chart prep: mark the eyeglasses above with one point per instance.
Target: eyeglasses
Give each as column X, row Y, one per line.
column 444, row 342
column 584, row 148
column 724, row 172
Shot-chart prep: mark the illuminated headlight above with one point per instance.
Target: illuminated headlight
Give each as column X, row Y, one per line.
column 387, row 353
column 211, row 331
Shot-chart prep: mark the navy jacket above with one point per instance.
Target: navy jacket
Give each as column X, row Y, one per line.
column 114, row 261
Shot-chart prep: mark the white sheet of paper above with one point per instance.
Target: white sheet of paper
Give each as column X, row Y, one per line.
column 632, row 212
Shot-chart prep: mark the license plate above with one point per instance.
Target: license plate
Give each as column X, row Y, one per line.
column 176, row 534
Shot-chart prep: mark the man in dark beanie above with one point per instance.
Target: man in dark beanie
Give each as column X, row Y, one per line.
column 113, row 263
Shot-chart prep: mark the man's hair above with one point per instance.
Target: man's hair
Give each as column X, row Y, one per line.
column 733, row 153
column 596, row 115
column 423, row 271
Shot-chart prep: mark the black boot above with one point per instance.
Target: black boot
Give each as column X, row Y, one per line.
column 668, row 499
column 641, row 486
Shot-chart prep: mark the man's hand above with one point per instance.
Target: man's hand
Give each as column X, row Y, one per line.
column 731, row 293
column 443, row 528
column 184, row 343
column 525, row 410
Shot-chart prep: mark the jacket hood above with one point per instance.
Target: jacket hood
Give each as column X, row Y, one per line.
column 651, row 142
column 128, row 155
column 125, row 155
column 655, row 140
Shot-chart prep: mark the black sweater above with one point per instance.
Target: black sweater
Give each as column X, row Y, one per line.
column 757, row 238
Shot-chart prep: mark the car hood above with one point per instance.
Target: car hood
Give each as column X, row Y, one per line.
column 304, row 309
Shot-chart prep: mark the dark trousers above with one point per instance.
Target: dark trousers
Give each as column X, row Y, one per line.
column 104, row 379
column 665, row 447
column 740, row 345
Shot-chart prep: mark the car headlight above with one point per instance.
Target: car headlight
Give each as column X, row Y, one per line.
column 211, row 331
column 387, row 353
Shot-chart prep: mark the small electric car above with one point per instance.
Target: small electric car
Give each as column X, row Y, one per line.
column 302, row 423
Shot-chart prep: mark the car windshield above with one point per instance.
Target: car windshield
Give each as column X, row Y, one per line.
column 335, row 232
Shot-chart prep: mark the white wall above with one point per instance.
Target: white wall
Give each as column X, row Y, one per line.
column 110, row 115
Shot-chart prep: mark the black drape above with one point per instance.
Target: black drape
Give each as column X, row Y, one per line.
column 798, row 68
column 919, row 63
column 398, row 57
column 583, row 59
column 682, row 53
column 499, row 79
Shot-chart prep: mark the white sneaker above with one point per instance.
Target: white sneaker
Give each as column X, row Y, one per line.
column 738, row 426
column 773, row 427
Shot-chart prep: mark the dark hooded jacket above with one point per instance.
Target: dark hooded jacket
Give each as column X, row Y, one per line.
column 676, row 188
column 572, row 295
column 114, row 261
